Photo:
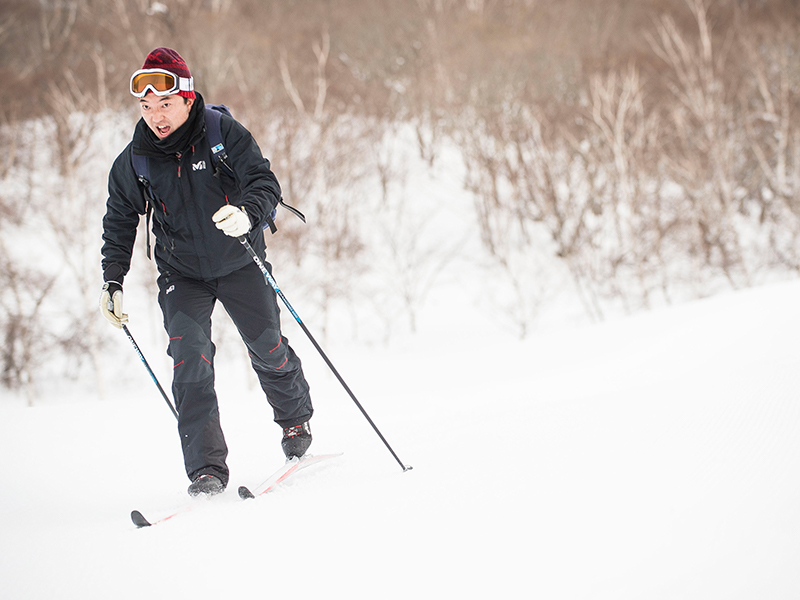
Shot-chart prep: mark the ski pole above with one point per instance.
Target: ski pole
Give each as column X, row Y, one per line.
column 149, row 370
column 274, row 284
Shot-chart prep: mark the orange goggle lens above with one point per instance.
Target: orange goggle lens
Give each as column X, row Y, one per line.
column 160, row 82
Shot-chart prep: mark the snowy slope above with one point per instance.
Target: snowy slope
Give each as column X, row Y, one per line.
column 651, row 457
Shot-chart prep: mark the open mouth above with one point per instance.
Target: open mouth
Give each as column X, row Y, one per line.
column 163, row 131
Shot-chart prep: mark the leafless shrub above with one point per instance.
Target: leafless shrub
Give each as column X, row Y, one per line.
column 532, row 191
column 26, row 337
column 705, row 153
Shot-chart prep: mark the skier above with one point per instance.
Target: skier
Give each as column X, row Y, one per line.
column 199, row 211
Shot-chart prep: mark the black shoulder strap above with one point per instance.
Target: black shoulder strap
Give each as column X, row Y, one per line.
column 142, row 169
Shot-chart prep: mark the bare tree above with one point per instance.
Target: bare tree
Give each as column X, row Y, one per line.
column 705, row 156
column 534, row 191
column 412, row 242
column 71, row 207
column 625, row 141
column 773, row 137
column 321, row 157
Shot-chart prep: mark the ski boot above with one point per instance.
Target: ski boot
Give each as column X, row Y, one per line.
column 209, row 485
column 296, row 440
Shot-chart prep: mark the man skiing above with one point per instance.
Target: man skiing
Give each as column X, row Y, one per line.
column 199, row 210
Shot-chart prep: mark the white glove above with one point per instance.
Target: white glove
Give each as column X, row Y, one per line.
column 111, row 304
column 232, row 220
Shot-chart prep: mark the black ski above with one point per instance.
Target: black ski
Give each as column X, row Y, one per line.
column 139, row 520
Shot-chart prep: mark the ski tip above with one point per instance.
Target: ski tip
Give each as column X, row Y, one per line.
column 139, row 520
column 244, row 493
column 407, row 468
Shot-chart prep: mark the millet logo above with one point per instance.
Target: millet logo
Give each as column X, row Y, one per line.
column 199, row 166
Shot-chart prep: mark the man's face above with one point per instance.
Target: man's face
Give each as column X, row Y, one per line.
column 164, row 114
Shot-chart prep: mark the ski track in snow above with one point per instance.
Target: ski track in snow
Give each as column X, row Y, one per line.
column 655, row 456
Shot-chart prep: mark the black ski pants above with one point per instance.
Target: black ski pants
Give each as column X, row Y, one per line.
column 187, row 305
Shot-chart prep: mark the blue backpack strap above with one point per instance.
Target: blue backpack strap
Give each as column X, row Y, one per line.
column 219, row 157
column 213, row 116
column 214, row 133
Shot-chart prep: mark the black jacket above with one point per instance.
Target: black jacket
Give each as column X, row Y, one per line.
column 187, row 193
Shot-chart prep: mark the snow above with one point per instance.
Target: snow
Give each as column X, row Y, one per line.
column 653, row 456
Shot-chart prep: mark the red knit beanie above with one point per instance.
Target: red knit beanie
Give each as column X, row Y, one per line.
column 169, row 60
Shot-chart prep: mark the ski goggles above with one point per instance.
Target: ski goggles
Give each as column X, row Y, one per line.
column 160, row 82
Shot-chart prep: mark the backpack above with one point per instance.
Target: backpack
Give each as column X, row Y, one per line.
column 213, row 113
